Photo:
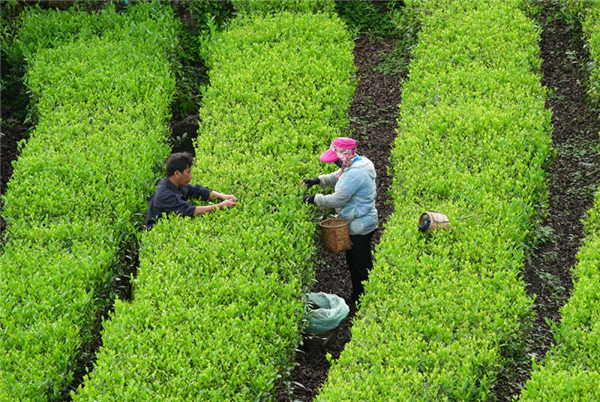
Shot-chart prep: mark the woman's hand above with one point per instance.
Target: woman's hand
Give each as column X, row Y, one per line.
column 309, row 199
column 308, row 183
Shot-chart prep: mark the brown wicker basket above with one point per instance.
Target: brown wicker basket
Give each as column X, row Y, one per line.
column 335, row 235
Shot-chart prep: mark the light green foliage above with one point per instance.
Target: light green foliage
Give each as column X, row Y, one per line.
column 77, row 192
column 45, row 28
column 217, row 304
column 445, row 311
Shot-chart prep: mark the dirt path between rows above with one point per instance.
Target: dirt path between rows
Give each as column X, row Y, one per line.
column 373, row 116
column 572, row 180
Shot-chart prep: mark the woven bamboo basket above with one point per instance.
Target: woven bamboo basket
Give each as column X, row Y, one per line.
column 430, row 221
column 335, row 235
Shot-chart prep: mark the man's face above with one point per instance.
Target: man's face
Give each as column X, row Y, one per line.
column 186, row 177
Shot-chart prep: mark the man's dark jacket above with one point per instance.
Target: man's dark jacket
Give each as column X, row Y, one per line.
column 168, row 198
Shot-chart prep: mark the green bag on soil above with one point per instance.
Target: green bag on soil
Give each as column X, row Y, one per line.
column 330, row 311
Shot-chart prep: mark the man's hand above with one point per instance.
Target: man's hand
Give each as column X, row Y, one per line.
column 309, row 199
column 228, row 203
column 308, row 183
column 229, row 197
column 222, row 197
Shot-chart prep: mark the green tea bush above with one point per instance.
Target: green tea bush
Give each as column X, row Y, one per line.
column 45, row 28
column 77, row 192
column 576, row 11
column 444, row 312
column 571, row 371
column 374, row 18
column 586, row 15
column 217, row 307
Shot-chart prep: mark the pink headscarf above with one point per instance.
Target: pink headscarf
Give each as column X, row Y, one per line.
column 346, row 157
column 342, row 149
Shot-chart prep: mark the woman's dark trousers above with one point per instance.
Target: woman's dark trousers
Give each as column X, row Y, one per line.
column 360, row 262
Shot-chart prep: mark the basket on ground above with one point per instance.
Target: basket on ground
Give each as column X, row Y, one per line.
column 335, row 235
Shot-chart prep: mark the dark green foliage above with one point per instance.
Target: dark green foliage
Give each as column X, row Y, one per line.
column 198, row 17
column 249, row 7
column 369, row 17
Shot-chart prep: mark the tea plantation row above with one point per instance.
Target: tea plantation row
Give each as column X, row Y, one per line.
column 571, row 371
column 78, row 184
column 445, row 312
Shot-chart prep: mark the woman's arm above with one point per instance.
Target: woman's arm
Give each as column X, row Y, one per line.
column 328, row 180
column 335, row 200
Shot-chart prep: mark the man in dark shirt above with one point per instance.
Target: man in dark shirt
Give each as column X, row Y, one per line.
column 174, row 190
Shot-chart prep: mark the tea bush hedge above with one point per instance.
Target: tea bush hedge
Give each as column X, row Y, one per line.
column 587, row 15
column 445, row 312
column 217, row 307
column 252, row 7
column 571, row 371
column 77, row 191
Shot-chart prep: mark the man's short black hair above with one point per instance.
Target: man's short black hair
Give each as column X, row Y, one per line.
column 179, row 161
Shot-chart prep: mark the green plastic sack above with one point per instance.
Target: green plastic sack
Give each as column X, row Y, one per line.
column 331, row 310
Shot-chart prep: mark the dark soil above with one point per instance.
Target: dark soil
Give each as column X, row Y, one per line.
column 373, row 117
column 572, row 176
column 13, row 131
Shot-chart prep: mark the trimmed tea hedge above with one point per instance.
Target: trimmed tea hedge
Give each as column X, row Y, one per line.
column 77, row 191
column 46, row 28
column 217, row 304
column 571, row 371
column 444, row 312
column 250, row 7
column 587, row 13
